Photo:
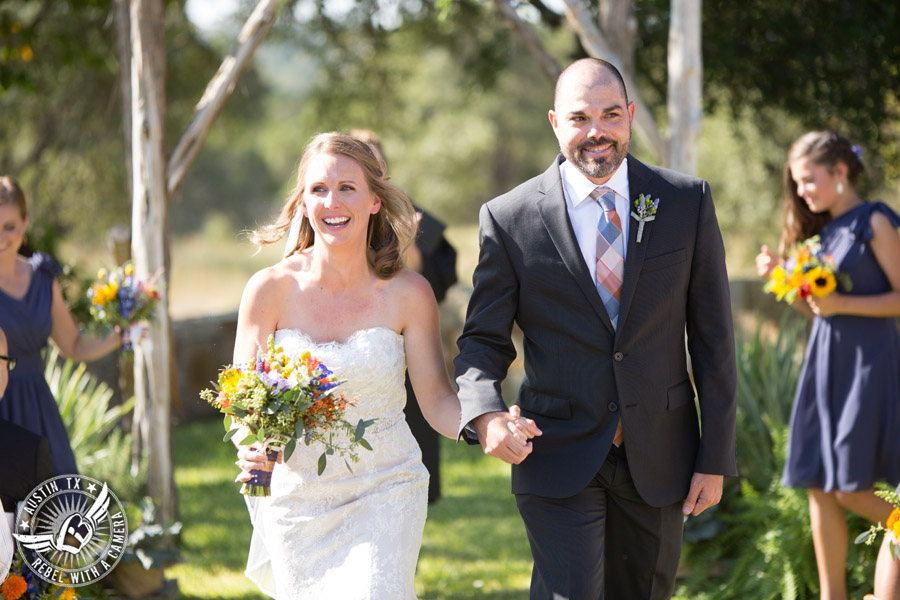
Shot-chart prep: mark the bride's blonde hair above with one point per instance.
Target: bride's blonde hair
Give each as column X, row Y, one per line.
column 391, row 230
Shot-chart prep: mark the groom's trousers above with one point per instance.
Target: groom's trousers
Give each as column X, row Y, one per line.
column 605, row 542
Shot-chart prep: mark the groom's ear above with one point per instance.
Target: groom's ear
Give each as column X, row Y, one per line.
column 551, row 114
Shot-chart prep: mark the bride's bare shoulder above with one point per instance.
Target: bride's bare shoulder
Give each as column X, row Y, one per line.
column 273, row 283
column 411, row 290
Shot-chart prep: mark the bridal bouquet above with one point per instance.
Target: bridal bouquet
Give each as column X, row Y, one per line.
column 281, row 400
column 891, row 528
column 119, row 299
column 807, row 270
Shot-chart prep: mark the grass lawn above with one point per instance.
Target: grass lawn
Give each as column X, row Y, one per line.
column 474, row 544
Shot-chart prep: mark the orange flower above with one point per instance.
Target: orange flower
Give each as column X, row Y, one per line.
column 893, row 522
column 13, row 587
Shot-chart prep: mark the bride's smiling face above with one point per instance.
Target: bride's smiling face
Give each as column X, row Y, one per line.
column 337, row 198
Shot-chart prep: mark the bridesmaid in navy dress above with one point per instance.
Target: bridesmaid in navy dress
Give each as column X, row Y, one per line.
column 31, row 311
column 845, row 425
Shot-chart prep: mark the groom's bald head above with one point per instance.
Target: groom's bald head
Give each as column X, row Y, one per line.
column 587, row 72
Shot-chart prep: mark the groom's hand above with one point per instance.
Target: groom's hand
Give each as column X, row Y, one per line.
column 706, row 490
column 505, row 435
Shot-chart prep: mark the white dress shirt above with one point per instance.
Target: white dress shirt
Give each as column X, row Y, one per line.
column 584, row 213
column 7, row 546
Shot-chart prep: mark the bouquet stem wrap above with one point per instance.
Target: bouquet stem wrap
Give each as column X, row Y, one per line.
column 260, row 484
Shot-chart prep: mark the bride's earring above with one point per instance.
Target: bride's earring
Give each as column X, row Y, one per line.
column 840, row 188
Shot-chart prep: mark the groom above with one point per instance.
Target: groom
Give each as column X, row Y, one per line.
column 603, row 282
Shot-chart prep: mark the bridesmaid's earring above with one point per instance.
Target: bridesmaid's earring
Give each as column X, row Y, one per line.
column 840, row 188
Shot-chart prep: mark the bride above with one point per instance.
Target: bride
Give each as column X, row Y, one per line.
column 341, row 292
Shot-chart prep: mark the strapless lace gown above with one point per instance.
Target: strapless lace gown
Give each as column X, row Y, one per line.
column 347, row 536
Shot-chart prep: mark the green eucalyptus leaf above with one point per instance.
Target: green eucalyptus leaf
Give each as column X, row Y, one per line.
column 230, row 434
column 289, row 449
column 250, row 439
column 365, row 444
column 322, row 462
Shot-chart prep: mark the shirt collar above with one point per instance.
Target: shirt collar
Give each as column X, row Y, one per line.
column 580, row 187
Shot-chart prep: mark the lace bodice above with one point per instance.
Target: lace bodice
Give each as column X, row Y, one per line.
column 373, row 364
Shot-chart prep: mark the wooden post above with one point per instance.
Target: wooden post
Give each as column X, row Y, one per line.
column 149, row 223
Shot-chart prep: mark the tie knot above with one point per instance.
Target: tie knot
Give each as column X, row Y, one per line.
column 606, row 197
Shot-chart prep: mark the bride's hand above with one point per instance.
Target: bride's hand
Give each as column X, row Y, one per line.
column 250, row 458
column 522, row 428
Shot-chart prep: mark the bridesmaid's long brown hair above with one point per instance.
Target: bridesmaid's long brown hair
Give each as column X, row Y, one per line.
column 825, row 148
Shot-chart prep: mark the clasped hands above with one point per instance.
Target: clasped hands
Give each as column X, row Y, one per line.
column 506, row 435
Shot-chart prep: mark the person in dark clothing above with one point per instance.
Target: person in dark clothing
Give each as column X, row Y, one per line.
column 435, row 259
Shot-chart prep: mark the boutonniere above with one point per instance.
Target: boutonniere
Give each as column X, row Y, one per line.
column 644, row 211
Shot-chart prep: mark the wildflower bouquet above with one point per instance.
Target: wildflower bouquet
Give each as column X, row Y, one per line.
column 22, row 584
column 119, row 300
column 281, row 400
column 807, row 270
column 891, row 528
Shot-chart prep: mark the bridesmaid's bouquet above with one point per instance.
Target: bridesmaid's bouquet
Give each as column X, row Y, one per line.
column 281, row 400
column 891, row 528
column 807, row 270
column 118, row 299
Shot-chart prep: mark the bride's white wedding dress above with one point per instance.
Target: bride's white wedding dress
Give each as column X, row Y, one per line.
column 346, row 535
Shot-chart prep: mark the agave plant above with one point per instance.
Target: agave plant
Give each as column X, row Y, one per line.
column 83, row 402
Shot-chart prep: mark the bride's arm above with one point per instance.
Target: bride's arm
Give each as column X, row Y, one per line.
column 257, row 319
column 257, row 315
column 425, row 355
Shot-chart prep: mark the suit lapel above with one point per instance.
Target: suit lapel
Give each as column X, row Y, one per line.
column 639, row 181
column 552, row 208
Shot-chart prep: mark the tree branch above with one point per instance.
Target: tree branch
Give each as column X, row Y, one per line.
column 218, row 90
column 581, row 20
column 549, row 65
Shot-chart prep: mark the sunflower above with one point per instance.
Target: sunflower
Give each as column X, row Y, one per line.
column 821, row 282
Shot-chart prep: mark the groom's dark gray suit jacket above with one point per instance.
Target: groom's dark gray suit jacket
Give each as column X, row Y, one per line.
column 581, row 375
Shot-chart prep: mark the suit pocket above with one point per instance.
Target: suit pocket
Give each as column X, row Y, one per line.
column 544, row 404
column 680, row 395
column 654, row 263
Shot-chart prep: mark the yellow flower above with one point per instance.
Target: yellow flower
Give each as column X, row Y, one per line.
column 27, row 54
column 68, row 593
column 228, row 382
column 13, row 587
column 129, row 269
column 796, row 279
column 102, row 274
column 821, row 282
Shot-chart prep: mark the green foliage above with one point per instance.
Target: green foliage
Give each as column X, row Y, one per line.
column 83, row 403
column 768, row 370
column 825, row 63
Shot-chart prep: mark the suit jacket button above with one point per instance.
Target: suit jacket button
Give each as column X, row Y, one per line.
column 618, row 356
column 612, row 406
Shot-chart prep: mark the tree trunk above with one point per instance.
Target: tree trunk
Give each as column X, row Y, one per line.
column 685, row 101
column 619, row 26
column 149, row 222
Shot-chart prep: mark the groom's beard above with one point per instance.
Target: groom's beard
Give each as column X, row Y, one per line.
column 598, row 167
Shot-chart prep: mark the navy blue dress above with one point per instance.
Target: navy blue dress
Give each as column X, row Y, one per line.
column 28, row 401
column 845, row 425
